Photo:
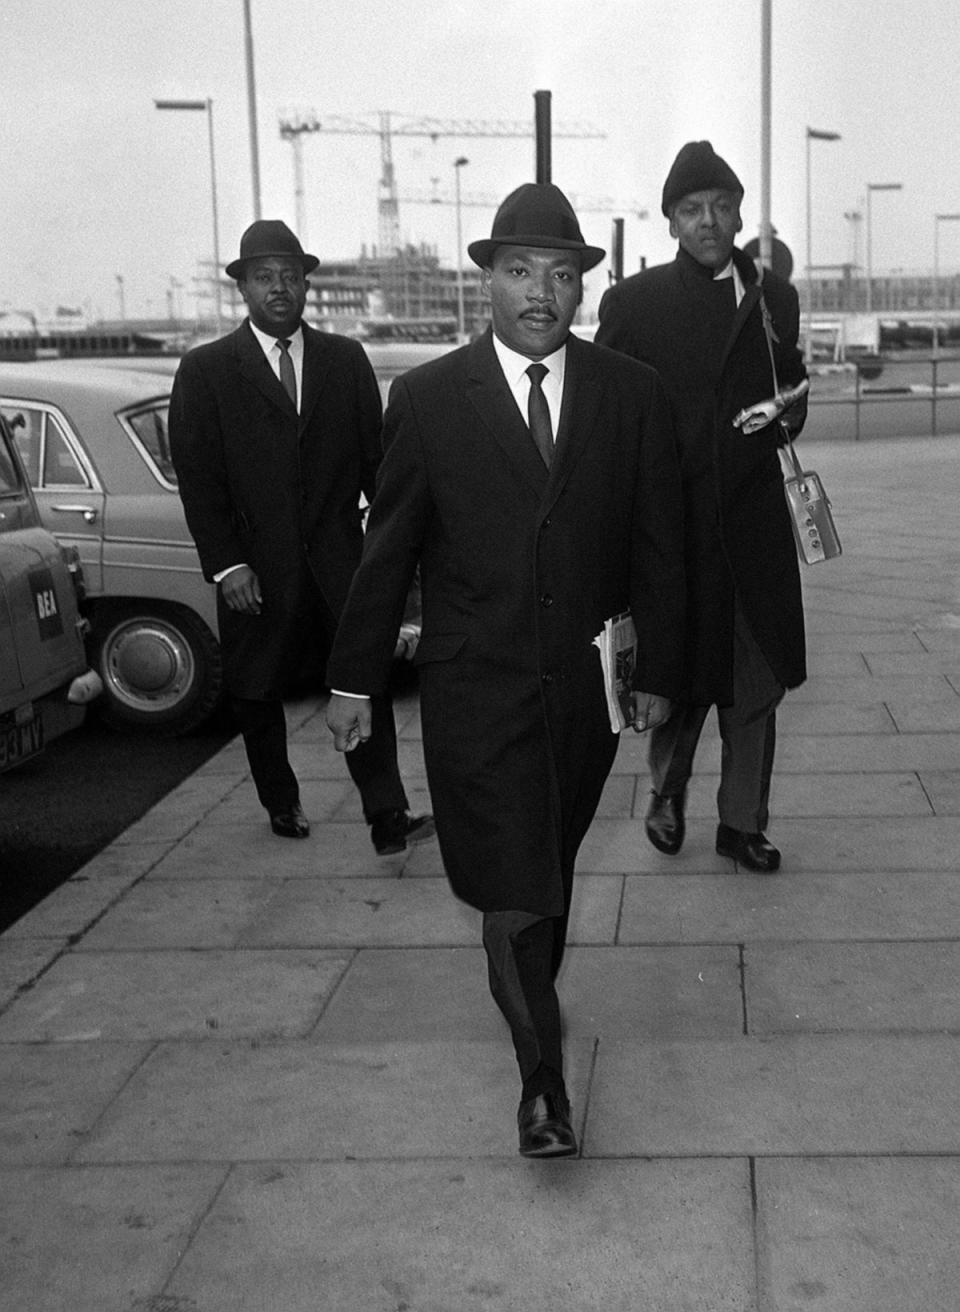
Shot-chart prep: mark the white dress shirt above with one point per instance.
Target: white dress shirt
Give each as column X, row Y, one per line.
column 515, row 368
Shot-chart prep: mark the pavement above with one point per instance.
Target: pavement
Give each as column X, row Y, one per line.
column 244, row 1073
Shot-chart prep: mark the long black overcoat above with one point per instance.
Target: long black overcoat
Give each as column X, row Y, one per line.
column 519, row 569
column 737, row 527
column 278, row 491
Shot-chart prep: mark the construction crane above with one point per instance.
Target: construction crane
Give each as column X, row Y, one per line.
column 384, row 124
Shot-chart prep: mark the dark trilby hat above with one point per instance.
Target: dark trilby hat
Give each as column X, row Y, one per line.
column 536, row 214
column 698, row 168
column 268, row 237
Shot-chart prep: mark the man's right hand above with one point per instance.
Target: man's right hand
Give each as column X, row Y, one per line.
column 349, row 720
column 241, row 590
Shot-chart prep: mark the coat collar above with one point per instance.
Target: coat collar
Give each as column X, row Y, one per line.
column 255, row 367
column 488, row 392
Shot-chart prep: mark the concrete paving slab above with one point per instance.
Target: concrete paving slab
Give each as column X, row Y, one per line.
column 156, row 995
column 70, row 909
column 181, row 810
column 943, row 789
column 811, row 987
column 620, row 795
column 179, row 913
column 22, row 959
column 914, row 715
column 123, row 860
column 689, row 908
column 595, row 1237
column 252, row 850
column 841, row 754
column 648, row 993
column 823, row 637
column 53, row 1094
column 363, row 912
column 802, row 1094
column 308, row 1101
column 98, row 1239
column 824, row 663
column 829, row 718
column 320, row 799
column 419, row 995
column 848, row 795
column 855, row 689
column 851, row 1234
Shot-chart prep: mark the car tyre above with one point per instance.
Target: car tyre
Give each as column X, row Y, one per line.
column 160, row 665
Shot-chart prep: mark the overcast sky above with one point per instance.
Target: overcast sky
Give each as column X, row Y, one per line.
column 98, row 183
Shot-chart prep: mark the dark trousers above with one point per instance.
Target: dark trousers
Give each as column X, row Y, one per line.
column 521, row 952
column 748, row 733
column 372, row 765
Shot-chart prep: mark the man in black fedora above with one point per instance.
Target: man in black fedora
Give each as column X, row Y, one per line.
column 699, row 320
column 532, row 477
column 275, row 432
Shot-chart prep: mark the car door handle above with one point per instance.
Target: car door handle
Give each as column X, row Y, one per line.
column 88, row 512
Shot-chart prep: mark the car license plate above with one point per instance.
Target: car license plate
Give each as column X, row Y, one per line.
column 18, row 742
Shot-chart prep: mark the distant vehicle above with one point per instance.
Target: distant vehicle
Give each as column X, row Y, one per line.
column 94, row 442
column 45, row 681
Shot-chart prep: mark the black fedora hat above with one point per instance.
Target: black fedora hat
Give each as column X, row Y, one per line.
column 268, row 237
column 536, row 214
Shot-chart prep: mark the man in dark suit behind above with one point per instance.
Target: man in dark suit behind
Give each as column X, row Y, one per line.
column 526, row 546
column 700, row 322
column 275, row 433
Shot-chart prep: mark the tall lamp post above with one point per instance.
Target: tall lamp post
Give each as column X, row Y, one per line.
column 813, row 134
column 206, row 106
column 458, row 164
column 937, row 220
column 871, row 188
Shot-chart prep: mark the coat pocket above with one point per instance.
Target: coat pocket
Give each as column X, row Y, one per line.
column 439, row 647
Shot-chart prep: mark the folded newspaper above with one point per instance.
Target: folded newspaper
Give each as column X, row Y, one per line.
column 618, row 659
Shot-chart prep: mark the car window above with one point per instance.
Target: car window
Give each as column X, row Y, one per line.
column 43, row 446
column 150, row 428
column 60, row 468
column 9, row 479
column 27, row 428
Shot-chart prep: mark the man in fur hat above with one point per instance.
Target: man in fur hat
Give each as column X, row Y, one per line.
column 534, row 480
column 700, row 322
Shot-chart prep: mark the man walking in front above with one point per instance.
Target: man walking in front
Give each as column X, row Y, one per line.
column 275, row 434
column 700, row 322
column 533, row 479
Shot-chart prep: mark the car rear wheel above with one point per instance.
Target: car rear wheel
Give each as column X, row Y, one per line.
column 160, row 666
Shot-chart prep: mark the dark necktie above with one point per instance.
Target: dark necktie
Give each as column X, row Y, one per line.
column 538, row 413
column 287, row 375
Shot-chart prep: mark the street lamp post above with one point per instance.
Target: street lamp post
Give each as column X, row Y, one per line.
column 937, row 220
column 206, row 106
column 813, row 134
column 872, row 187
column 458, row 164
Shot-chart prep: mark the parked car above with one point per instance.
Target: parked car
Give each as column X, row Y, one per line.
column 93, row 436
column 45, row 680
column 94, row 441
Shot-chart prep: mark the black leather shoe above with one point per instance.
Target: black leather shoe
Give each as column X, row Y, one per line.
column 291, row 823
column 391, row 831
column 545, row 1129
column 665, row 824
column 750, row 850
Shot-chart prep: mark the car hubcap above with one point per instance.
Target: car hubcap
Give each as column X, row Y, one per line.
column 148, row 666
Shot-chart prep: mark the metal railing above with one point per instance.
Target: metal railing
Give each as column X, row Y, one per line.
column 902, row 395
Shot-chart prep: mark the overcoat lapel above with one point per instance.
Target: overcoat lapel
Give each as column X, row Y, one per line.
column 491, row 398
column 254, row 367
column 316, row 367
column 582, row 391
